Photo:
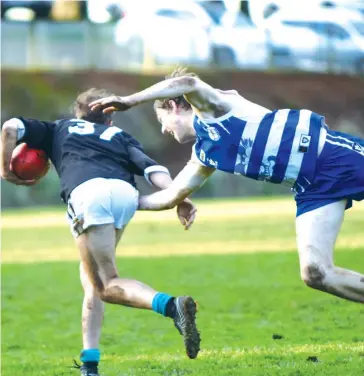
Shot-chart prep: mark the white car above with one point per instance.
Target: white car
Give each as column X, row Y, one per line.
column 339, row 42
column 166, row 32
column 292, row 47
column 182, row 31
column 238, row 43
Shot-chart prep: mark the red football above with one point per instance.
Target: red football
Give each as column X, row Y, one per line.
column 29, row 164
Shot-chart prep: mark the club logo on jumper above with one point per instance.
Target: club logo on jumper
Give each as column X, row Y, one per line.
column 358, row 148
column 304, row 143
column 212, row 163
column 213, row 134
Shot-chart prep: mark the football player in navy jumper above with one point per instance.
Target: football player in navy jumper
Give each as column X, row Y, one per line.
column 96, row 163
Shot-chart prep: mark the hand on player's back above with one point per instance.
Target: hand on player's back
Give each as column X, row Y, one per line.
column 12, row 178
column 110, row 104
column 186, row 213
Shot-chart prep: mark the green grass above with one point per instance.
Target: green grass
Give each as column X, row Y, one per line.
column 244, row 300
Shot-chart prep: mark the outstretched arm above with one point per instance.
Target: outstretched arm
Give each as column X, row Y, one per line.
column 202, row 96
column 192, row 177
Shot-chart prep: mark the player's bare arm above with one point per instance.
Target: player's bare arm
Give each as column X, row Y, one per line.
column 186, row 210
column 159, row 177
column 192, row 177
column 9, row 138
column 203, row 97
column 160, row 180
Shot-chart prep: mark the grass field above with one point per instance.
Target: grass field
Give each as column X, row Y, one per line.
column 238, row 261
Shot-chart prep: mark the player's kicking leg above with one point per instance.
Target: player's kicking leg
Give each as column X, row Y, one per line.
column 101, row 283
column 317, row 231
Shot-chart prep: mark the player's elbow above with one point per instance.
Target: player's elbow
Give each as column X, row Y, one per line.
column 190, row 83
column 10, row 127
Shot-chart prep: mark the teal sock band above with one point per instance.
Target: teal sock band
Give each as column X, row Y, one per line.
column 90, row 355
column 160, row 302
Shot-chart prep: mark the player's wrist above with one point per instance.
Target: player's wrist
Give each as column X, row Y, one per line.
column 5, row 168
column 9, row 176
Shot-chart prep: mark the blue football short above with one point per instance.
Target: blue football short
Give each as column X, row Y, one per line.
column 339, row 174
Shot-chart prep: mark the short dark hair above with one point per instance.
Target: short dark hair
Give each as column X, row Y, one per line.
column 180, row 101
column 81, row 110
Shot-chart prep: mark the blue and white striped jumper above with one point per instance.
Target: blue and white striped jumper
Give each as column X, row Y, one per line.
column 280, row 147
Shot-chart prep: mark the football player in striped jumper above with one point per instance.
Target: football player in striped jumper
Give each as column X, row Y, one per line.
column 324, row 168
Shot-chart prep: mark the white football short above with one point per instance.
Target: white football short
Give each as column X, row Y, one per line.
column 101, row 201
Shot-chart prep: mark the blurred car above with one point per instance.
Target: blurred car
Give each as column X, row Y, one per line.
column 186, row 32
column 238, row 43
column 25, row 10
column 294, row 48
column 168, row 32
column 104, row 11
column 339, row 35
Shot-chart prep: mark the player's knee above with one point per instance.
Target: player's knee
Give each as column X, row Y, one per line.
column 103, row 296
column 113, row 294
column 313, row 275
column 110, row 292
column 101, row 290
